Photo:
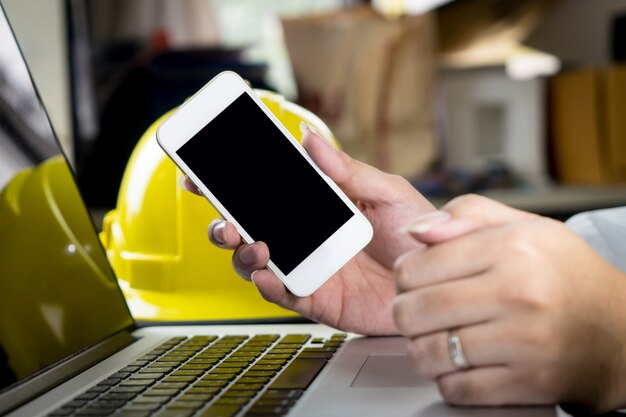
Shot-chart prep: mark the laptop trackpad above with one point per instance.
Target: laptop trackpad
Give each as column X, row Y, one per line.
column 387, row 371
column 374, row 377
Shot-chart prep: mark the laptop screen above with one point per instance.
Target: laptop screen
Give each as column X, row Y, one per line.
column 58, row 294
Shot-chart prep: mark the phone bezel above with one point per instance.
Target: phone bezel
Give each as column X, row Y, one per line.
column 193, row 115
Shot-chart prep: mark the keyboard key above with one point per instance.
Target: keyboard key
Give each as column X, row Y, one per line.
column 274, row 402
column 159, row 399
column 201, row 361
column 136, row 382
column 295, row 338
column 240, row 358
column 281, row 350
column 265, row 367
column 319, row 349
column 239, row 394
column 208, row 338
column 298, row 374
column 128, row 389
column 109, row 382
column 95, row 411
column 205, row 397
column 142, row 407
column 233, row 337
column 188, row 372
column 227, row 370
column 234, row 364
column 211, row 355
column 75, row 404
column 271, row 393
column 124, row 413
column 251, row 380
column 212, row 383
column 203, row 390
column 155, row 369
column 179, row 378
column 109, row 403
column 250, row 349
column 314, row 355
column 272, row 411
column 153, row 375
column 259, row 374
column 87, row 396
column 232, row 401
column 277, row 356
column 271, row 361
column 119, row 375
column 170, row 385
column 98, row 389
column 220, row 411
column 180, row 412
column 237, row 386
column 225, row 376
column 162, row 392
column 288, row 346
column 191, row 405
column 166, row 364
column 118, row 396
column 195, row 366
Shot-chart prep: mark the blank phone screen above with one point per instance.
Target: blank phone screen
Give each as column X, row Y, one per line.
column 265, row 183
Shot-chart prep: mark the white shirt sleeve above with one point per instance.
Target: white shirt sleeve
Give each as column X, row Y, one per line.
column 605, row 231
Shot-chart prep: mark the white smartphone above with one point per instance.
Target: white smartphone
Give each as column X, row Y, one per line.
column 263, row 182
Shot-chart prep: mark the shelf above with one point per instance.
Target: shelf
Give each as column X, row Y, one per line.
column 557, row 201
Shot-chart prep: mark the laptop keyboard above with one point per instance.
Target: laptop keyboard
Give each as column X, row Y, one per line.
column 210, row 376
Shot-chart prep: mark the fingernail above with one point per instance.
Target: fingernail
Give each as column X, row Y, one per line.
column 247, row 255
column 252, row 275
column 307, row 128
column 181, row 182
column 218, row 232
column 426, row 222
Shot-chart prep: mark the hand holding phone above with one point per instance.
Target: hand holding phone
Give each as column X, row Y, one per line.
column 309, row 225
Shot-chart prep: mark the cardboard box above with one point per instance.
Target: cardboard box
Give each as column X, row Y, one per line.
column 371, row 80
column 588, row 125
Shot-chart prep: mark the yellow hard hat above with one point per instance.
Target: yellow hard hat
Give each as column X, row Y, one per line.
column 48, row 297
column 157, row 243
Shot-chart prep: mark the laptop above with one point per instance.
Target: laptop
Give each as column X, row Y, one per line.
column 69, row 346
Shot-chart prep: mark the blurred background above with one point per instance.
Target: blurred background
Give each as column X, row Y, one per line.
column 520, row 100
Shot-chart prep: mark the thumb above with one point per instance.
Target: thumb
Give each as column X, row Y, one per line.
column 358, row 180
column 461, row 216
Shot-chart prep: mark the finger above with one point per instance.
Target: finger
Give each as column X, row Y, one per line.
column 273, row 290
column 250, row 258
column 465, row 256
column 358, row 180
column 483, row 345
column 223, row 234
column 493, row 386
column 463, row 215
column 449, row 305
column 188, row 185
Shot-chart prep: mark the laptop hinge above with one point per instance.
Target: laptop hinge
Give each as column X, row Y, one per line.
column 61, row 372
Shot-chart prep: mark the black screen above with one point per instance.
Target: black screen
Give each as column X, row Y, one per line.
column 265, row 183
